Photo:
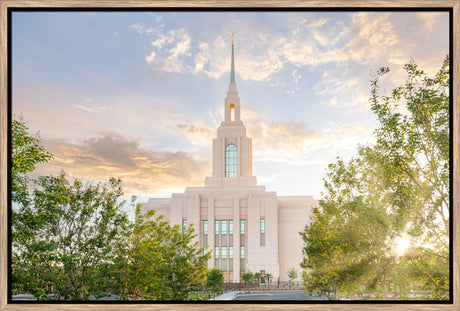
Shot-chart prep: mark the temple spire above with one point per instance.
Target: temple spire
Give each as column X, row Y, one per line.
column 232, row 101
column 232, row 74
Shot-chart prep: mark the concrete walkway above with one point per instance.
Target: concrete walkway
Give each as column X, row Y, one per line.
column 227, row 296
column 293, row 295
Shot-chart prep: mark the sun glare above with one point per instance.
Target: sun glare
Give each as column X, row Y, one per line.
column 402, row 243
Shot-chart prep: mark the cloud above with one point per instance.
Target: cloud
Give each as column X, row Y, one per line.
column 197, row 133
column 290, row 143
column 296, row 76
column 168, row 48
column 151, row 57
column 110, row 154
column 294, row 143
column 373, row 39
column 201, row 57
column 213, row 59
column 138, row 27
column 318, row 23
column 330, row 84
column 345, row 136
column 369, row 41
column 429, row 19
column 90, row 109
column 176, row 51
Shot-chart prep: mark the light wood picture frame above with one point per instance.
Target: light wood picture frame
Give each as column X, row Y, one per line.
column 4, row 91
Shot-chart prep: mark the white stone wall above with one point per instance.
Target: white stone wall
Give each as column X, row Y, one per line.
column 162, row 206
column 263, row 257
column 293, row 215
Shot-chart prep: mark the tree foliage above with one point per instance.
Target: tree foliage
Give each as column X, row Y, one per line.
column 394, row 190
column 292, row 274
column 64, row 235
column 159, row 261
column 248, row 277
column 26, row 154
column 215, row 280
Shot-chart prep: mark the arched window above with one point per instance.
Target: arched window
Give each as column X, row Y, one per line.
column 231, row 161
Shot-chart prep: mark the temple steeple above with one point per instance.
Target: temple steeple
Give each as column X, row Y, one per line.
column 232, row 74
column 232, row 102
column 231, row 149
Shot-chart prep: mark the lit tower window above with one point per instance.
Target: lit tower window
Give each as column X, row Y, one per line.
column 232, row 112
column 231, row 161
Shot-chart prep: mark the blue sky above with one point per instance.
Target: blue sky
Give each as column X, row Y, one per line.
column 139, row 95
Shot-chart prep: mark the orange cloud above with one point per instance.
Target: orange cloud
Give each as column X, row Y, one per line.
column 142, row 171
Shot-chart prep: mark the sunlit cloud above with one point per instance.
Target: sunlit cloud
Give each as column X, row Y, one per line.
column 151, row 57
column 197, row 133
column 367, row 38
column 295, row 142
column 113, row 155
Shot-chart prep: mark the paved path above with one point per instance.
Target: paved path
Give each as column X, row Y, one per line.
column 276, row 295
column 227, row 296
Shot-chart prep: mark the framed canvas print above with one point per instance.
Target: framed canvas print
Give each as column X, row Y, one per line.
column 283, row 155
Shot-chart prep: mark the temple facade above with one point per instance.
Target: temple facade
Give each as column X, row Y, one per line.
column 246, row 227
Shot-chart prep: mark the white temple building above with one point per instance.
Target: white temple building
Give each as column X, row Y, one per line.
column 246, row 227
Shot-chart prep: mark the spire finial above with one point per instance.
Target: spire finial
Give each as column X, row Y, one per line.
column 232, row 74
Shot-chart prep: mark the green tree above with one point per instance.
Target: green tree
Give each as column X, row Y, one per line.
column 26, row 154
column 64, row 234
column 158, row 261
column 292, row 274
column 215, row 280
column 346, row 244
column 248, row 277
column 398, row 187
column 416, row 149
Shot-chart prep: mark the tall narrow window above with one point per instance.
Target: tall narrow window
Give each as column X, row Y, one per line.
column 232, row 112
column 217, row 227
column 230, row 227
column 205, row 236
column 242, row 252
column 205, row 227
column 231, row 161
column 184, row 226
column 262, row 232
column 224, row 227
column 242, row 228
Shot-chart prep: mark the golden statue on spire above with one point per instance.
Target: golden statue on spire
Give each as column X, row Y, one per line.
column 233, row 35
